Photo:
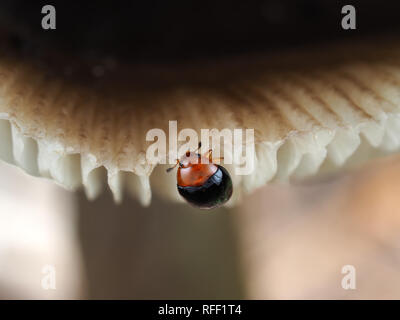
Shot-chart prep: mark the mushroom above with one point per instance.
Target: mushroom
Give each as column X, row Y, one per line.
column 313, row 110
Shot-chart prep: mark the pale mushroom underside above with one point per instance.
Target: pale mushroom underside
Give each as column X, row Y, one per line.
column 313, row 111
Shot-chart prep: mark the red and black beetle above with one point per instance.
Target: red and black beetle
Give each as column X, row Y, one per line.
column 201, row 182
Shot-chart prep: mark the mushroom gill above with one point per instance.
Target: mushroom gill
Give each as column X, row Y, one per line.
column 313, row 110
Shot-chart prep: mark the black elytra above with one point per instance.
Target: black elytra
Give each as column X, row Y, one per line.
column 214, row 192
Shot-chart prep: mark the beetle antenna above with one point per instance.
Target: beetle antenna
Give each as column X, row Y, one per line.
column 172, row 168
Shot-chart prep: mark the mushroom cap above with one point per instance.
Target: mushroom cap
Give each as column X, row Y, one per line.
column 314, row 110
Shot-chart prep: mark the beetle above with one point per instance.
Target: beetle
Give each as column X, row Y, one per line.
column 201, row 182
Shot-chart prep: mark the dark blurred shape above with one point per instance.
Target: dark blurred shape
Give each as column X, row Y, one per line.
column 160, row 31
column 167, row 251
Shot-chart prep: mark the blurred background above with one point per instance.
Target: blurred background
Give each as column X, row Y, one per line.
column 283, row 242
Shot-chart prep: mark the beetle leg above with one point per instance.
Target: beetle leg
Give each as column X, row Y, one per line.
column 218, row 159
column 208, row 155
column 198, row 148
